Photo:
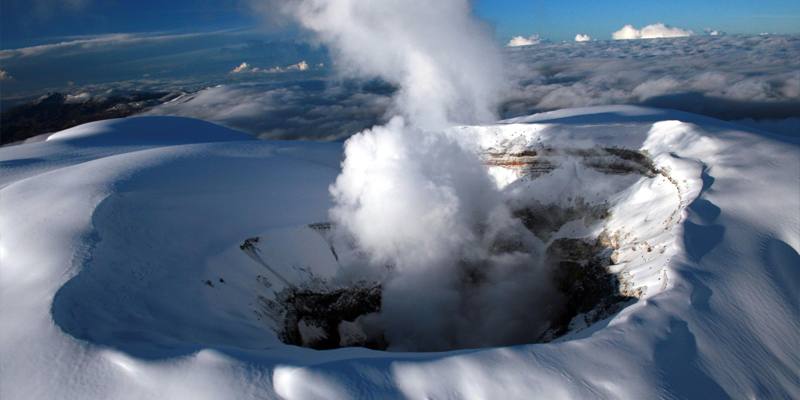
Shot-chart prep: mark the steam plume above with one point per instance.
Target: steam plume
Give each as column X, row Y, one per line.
column 413, row 194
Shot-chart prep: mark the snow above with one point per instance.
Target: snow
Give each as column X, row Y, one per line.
column 111, row 231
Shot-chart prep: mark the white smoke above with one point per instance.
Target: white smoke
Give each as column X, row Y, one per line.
column 410, row 197
column 423, row 203
column 414, row 195
column 444, row 61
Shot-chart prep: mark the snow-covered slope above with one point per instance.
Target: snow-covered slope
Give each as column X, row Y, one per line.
column 121, row 274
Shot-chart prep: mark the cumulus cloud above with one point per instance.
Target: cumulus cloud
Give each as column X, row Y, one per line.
column 244, row 67
column 300, row 66
column 241, row 68
column 582, row 37
column 4, row 75
column 653, row 31
column 517, row 41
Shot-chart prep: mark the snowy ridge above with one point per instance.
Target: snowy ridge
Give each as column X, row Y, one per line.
column 122, row 277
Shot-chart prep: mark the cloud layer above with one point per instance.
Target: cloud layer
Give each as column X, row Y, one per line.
column 729, row 77
column 305, row 109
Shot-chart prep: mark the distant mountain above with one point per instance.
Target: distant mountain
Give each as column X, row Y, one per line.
column 53, row 112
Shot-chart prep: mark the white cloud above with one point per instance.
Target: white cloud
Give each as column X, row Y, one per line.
column 300, row 66
column 78, row 98
column 4, row 75
column 627, row 32
column 582, row 37
column 729, row 77
column 244, row 67
column 96, row 42
column 517, row 41
column 653, row 31
column 334, row 111
column 31, row 51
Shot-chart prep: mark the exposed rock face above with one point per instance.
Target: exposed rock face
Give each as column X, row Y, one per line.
column 581, row 273
column 535, row 162
column 545, row 219
column 313, row 317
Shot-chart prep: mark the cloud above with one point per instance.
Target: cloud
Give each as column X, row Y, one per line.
column 88, row 43
column 99, row 42
column 300, row 66
column 76, row 98
column 4, row 76
column 191, row 61
column 314, row 110
column 729, row 77
column 582, row 37
column 517, row 41
column 653, row 31
column 243, row 67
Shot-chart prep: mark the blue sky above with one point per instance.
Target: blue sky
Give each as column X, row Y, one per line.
column 561, row 20
column 26, row 22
